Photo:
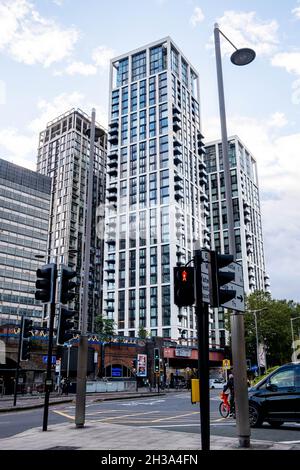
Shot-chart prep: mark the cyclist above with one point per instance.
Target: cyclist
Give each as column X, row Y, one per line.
column 229, row 388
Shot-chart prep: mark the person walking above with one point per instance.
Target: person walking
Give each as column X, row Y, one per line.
column 229, row 388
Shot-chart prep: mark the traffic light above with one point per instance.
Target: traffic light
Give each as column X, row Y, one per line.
column 156, row 360
column 220, row 278
column 66, row 285
column 65, row 325
column 25, row 340
column 184, row 291
column 45, row 283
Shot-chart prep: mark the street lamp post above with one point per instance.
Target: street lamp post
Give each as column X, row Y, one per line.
column 292, row 330
column 239, row 57
column 256, row 334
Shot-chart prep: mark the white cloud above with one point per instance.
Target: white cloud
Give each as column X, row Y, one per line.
column 279, row 175
column 101, row 55
column 30, row 38
column 197, row 16
column 80, row 68
column 296, row 12
column 248, row 30
column 21, row 148
column 290, row 61
column 287, row 60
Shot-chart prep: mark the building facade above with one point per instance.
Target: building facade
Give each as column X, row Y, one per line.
column 155, row 189
column 247, row 219
column 63, row 154
column 24, row 218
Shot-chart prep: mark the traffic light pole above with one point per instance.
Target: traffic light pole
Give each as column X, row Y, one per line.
column 237, row 320
column 48, row 386
column 203, row 354
column 18, row 363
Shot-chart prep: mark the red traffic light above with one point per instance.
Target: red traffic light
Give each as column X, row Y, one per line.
column 184, row 276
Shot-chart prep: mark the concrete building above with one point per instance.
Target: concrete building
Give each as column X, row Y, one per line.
column 155, row 189
column 63, row 154
column 24, row 218
column 247, row 218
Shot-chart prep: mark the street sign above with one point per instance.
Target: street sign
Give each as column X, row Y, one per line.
column 226, row 364
column 238, row 303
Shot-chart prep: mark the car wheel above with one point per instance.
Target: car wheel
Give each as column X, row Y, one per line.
column 255, row 417
column 276, row 424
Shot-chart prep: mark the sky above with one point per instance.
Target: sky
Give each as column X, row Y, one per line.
column 54, row 55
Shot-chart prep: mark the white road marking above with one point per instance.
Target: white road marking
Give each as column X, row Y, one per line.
column 289, row 442
column 136, row 403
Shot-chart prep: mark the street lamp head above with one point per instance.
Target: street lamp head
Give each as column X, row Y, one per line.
column 243, row 56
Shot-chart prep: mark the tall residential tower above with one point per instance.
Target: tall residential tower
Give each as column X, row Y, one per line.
column 155, row 188
column 247, row 218
column 63, row 154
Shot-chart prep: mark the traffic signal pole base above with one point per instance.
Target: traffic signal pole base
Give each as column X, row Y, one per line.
column 240, row 380
column 81, row 381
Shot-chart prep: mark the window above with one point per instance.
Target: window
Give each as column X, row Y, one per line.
column 122, row 72
column 153, row 307
column 152, row 91
column 142, row 228
column 152, row 189
column 124, row 108
column 138, row 65
column 163, row 151
column 132, row 193
column 166, row 307
column 133, row 160
column 131, row 309
column 153, row 265
column 133, row 99
column 283, row 379
column 142, row 273
column 123, row 165
column 124, row 130
column 132, row 268
column 164, row 224
column 122, row 269
column 133, row 127
column 152, row 122
column 132, row 230
column 115, row 104
column 153, row 227
column 174, row 61
column 163, row 118
column 152, row 154
column 162, row 87
column 121, row 310
column 158, row 59
column 143, row 155
column 165, row 263
column 164, row 186
column 142, row 94
column 143, row 125
column 142, row 308
column 184, row 72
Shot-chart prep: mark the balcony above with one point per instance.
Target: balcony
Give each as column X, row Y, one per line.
column 247, row 218
column 178, row 194
column 114, row 124
column 112, row 189
column 111, row 241
column 204, row 197
column 202, row 180
column 110, row 261
column 111, row 197
column 178, row 185
column 112, row 171
column 109, row 308
column 112, row 155
column 113, row 139
column 110, row 269
column 112, row 164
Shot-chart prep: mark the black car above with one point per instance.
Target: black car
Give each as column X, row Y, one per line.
column 276, row 398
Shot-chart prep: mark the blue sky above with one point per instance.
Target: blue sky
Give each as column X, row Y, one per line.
column 54, row 55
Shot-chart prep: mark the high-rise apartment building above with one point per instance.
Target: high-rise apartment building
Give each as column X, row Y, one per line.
column 63, row 154
column 24, row 219
column 155, row 188
column 247, row 218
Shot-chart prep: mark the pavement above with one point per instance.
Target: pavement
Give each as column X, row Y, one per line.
column 28, row 402
column 106, row 436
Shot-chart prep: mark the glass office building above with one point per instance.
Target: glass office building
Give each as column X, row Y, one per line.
column 156, row 201
column 247, row 218
column 63, row 154
column 24, row 219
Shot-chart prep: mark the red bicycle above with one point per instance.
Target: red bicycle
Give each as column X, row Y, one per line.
column 224, row 407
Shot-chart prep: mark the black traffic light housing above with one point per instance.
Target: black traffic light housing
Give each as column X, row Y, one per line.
column 184, row 286
column 65, row 326
column 66, row 285
column 46, row 282
column 156, row 360
column 25, row 339
column 220, row 278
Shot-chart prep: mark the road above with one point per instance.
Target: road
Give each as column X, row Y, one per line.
column 173, row 412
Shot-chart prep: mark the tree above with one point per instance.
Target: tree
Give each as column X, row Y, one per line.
column 273, row 325
column 143, row 334
column 104, row 326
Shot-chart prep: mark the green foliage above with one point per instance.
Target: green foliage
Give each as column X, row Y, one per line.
column 273, row 325
column 104, row 326
column 143, row 334
column 269, row 371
